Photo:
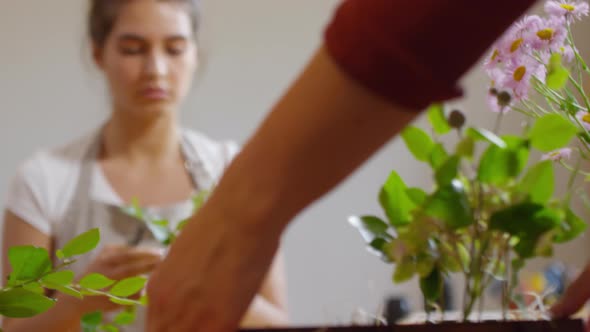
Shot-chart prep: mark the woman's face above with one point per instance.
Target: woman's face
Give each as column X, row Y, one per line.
column 149, row 58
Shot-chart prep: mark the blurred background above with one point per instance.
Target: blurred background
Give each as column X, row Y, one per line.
column 50, row 93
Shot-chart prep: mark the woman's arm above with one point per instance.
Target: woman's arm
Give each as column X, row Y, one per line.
column 64, row 315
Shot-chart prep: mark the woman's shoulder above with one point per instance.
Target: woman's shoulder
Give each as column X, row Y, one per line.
column 214, row 154
column 210, row 148
column 56, row 158
column 43, row 181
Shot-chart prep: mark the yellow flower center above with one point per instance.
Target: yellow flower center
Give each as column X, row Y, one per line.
column 586, row 118
column 519, row 73
column 515, row 45
column 567, row 7
column 546, row 34
column 495, row 55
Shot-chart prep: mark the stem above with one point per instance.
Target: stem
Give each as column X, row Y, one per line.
column 525, row 112
column 469, row 308
column 573, row 170
column 482, row 298
column 506, row 286
column 581, row 91
column 579, row 59
column 498, row 121
column 65, row 263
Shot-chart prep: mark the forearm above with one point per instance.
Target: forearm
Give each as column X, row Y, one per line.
column 63, row 317
column 264, row 314
column 323, row 129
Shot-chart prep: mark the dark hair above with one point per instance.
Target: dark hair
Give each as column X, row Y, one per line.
column 103, row 15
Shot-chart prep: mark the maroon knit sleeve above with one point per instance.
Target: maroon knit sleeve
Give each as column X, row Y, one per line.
column 413, row 52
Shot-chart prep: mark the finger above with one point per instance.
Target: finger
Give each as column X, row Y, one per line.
column 126, row 256
column 138, row 267
column 575, row 296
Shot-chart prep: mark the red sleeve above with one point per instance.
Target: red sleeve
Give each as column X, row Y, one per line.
column 413, row 52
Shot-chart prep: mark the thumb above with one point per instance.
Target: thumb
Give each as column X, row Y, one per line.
column 575, row 296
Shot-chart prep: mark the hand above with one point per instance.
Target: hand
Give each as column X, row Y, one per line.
column 118, row 262
column 575, row 297
column 209, row 277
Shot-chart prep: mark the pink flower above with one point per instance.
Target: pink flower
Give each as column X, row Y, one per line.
column 547, row 35
column 568, row 53
column 513, row 43
column 567, row 9
column 558, row 155
column 584, row 118
column 518, row 75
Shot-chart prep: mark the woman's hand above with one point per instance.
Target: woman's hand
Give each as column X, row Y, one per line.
column 575, row 297
column 118, row 262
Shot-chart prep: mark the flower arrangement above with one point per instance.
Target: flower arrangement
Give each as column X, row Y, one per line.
column 493, row 207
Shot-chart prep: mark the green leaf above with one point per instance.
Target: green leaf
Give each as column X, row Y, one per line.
column 448, row 171
column 109, row 328
column 199, row 200
column 432, row 285
column 438, row 156
column 438, row 120
column 143, row 300
column 569, row 104
column 21, row 303
column 404, row 271
column 59, row 278
column 558, row 78
column 81, row 244
column 526, row 221
column 557, row 74
column 28, row 263
column 181, row 225
column 418, row 142
column 500, row 165
column 160, row 223
column 124, row 318
column 378, row 247
column 395, row 201
column 451, row 205
column 450, row 263
column 572, row 227
column 424, row 264
column 370, row 227
column 480, row 134
column 34, row 287
column 128, row 287
column 551, row 132
column 539, row 182
column 465, row 148
column 160, row 230
column 417, row 195
column 524, row 218
column 96, row 281
column 91, row 321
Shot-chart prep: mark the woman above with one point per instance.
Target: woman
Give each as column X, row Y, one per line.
column 148, row 54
